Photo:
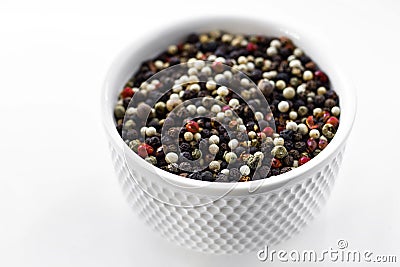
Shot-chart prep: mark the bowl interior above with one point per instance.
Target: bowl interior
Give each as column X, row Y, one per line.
column 129, row 60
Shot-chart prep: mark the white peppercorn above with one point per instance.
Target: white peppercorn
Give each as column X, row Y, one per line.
column 234, row 143
column 213, row 149
column 283, row 106
column 188, row 136
column 216, row 108
column 314, row 133
column 335, row 111
column 151, row 131
column 234, row 102
column 293, row 115
column 321, row 90
column 244, row 170
column 230, row 157
column 171, row 157
column 307, row 75
column 214, row 139
column 291, row 125
column 223, row 91
column 214, row 165
column 192, row 109
column 302, row 128
column 280, row 84
column 289, row 92
column 279, row 141
column 272, row 51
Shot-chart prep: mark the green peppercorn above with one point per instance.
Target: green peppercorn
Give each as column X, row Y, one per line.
column 279, row 152
column 119, row 111
column 152, row 160
column 302, row 111
column 196, row 154
column 254, row 161
column 328, row 130
column 160, row 107
column 134, row 144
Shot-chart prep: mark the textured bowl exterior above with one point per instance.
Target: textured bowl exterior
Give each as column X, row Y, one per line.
column 242, row 220
column 229, row 224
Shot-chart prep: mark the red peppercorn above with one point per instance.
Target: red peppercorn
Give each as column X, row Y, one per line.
column 268, row 116
column 321, row 76
column 311, row 122
column 304, row 160
column 322, row 143
column 334, row 121
column 145, row 150
column 127, row 92
column 251, row 47
column 192, row 126
column 311, row 144
column 276, row 163
column 217, row 66
column 325, row 116
column 225, row 108
column 280, row 128
column 268, row 131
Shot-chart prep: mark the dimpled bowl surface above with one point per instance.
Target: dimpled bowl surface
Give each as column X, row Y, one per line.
column 240, row 220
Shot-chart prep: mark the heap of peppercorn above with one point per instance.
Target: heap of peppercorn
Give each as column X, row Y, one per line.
column 301, row 120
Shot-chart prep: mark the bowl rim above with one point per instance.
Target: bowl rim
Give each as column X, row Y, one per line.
column 347, row 97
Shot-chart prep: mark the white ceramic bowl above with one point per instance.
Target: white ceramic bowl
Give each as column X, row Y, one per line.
column 225, row 219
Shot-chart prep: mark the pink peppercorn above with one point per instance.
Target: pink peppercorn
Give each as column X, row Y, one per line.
column 304, row 160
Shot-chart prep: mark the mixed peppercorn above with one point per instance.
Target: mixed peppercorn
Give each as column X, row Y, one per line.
column 192, row 122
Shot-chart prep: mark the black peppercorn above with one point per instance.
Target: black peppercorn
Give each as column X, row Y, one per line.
column 319, row 100
column 153, row 141
column 285, row 169
column 205, row 133
column 297, row 136
column 286, row 134
column 207, row 176
column 126, row 102
column 275, row 172
column 119, row 129
column 131, row 134
column 166, row 140
column 234, row 175
column 311, row 85
column 192, row 38
column 283, row 76
column 288, row 144
column 224, row 165
column 160, row 153
column 184, row 147
column 300, row 146
column 330, row 103
column 195, row 175
column 209, row 47
column 295, row 154
column 288, row 161
column 187, row 155
column 239, row 150
column 261, row 173
column 222, row 178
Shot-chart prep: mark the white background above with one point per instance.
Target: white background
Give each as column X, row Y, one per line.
column 60, row 203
